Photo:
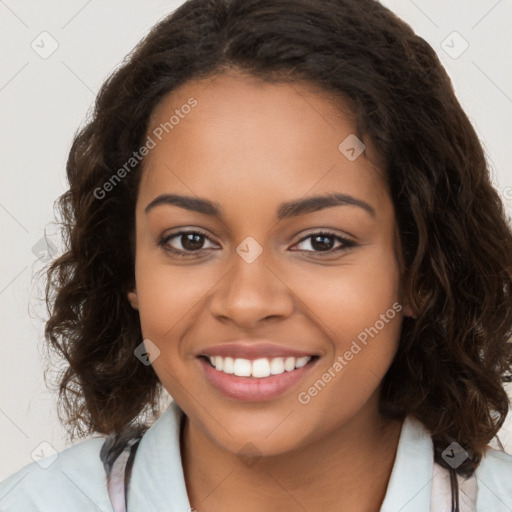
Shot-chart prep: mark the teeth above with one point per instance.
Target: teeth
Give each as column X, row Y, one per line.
column 276, row 366
column 301, row 361
column 242, row 367
column 218, row 362
column 259, row 368
column 229, row 365
column 289, row 364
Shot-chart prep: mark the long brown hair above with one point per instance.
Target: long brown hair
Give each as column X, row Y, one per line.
column 457, row 246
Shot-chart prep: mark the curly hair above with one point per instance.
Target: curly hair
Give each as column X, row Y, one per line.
column 453, row 357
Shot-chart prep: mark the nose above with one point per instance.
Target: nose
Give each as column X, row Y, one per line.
column 251, row 293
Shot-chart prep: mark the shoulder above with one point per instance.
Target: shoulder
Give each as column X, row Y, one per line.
column 494, row 478
column 73, row 479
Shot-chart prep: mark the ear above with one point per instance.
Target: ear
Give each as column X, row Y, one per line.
column 133, row 298
column 407, row 310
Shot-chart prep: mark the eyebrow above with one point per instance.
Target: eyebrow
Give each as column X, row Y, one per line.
column 285, row 211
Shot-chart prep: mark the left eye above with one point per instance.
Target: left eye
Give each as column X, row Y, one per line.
column 323, row 242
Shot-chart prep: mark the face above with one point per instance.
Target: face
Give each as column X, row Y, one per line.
column 296, row 300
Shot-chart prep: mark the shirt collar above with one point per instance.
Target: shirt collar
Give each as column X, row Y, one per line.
column 158, row 480
column 410, row 484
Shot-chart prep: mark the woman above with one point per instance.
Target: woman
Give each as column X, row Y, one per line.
column 280, row 215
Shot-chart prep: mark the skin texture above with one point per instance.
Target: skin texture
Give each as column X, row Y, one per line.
column 250, row 146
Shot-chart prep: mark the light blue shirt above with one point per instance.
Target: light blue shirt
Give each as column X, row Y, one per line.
column 76, row 481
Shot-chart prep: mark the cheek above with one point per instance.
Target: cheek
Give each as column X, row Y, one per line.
column 349, row 297
column 357, row 308
column 168, row 294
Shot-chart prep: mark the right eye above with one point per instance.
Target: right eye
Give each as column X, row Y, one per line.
column 191, row 242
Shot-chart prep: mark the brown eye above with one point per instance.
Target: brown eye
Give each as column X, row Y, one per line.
column 324, row 242
column 191, row 241
column 184, row 242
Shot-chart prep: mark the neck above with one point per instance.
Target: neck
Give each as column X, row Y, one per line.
column 350, row 466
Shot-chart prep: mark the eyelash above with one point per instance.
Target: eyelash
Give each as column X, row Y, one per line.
column 347, row 244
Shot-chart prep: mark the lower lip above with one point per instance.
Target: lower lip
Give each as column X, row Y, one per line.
column 252, row 389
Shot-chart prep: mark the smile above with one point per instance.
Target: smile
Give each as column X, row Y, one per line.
column 255, row 380
column 257, row 368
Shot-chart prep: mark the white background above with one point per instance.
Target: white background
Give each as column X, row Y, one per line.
column 44, row 101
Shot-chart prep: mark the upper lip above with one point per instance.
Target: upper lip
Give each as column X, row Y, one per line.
column 252, row 350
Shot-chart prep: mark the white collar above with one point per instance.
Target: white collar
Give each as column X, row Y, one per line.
column 410, row 484
column 158, row 478
column 157, row 474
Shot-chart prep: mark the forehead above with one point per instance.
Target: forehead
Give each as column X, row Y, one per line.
column 241, row 140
